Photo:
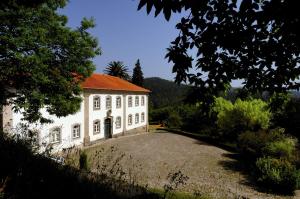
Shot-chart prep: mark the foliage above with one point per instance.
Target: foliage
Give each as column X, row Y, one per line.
column 42, row 60
column 83, row 161
column 173, row 120
column 233, row 119
column 26, row 174
column 279, row 175
column 164, row 93
column 117, row 69
column 137, row 76
column 252, row 144
column 284, row 148
column 286, row 112
column 251, row 40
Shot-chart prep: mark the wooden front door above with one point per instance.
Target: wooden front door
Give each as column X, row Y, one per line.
column 107, row 128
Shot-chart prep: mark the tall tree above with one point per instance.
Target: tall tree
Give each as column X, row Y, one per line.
column 118, row 69
column 137, row 76
column 42, row 61
column 257, row 41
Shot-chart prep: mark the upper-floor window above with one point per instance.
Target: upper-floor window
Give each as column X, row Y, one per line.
column 129, row 119
column 137, row 100
column 118, row 122
column 137, row 118
column 142, row 117
column 143, row 101
column 76, row 131
column 55, row 135
column 129, row 101
column 118, row 102
column 96, row 127
column 96, row 101
column 108, row 102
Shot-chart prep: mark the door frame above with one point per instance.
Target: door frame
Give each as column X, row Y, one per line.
column 111, row 127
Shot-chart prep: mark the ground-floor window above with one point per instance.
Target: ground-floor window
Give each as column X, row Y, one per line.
column 118, row 122
column 76, row 131
column 142, row 117
column 55, row 135
column 130, row 119
column 96, row 127
column 137, row 118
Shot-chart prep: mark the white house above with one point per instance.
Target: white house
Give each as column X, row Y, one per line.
column 111, row 107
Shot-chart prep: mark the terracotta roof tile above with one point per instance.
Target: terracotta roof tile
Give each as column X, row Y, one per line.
column 107, row 82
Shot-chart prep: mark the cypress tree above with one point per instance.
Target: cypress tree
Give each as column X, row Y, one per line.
column 138, row 77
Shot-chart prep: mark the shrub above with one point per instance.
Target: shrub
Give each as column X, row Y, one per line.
column 173, row 120
column 279, row 175
column 83, row 161
column 251, row 144
column 284, row 148
column 233, row 119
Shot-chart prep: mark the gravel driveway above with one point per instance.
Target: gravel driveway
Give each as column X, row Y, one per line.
column 148, row 159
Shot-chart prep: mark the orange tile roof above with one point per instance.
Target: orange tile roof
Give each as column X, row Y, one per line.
column 107, row 82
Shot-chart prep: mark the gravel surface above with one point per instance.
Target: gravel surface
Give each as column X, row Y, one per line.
column 148, row 159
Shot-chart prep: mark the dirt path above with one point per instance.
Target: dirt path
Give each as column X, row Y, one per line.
column 150, row 157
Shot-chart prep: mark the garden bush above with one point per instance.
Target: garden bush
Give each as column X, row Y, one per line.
column 233, row 119
column 284, row 148
column 173, row 120
column 251, row 144
column 277, row 175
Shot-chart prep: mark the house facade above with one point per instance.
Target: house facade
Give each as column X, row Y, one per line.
column 110, row 107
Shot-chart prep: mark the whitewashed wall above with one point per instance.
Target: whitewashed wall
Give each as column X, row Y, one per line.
column 136, row 109
column 66, row 123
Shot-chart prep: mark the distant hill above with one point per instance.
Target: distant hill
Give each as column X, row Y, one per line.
column 164, row 92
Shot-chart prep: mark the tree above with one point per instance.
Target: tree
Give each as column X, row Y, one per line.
column 42, row 61
column 137, row 76
column 257, row 41
column 117, row 69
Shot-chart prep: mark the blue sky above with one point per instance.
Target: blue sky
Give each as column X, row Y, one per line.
column 126, row 34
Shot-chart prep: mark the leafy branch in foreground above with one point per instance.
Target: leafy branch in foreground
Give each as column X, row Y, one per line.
column 252, row 40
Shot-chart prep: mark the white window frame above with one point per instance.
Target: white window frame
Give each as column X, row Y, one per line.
column 129, row 119
column 136, row 118
column 143, row 101
column 76, row 131
column 137, row 100
column 143, row 117
column 129, row 101
column 55, row 137
column 118, row 102
column 108, row 102
column 96, row 102
column 118, row 122
column 96, row 127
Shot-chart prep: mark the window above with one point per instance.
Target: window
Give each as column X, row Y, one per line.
column 118, row 122
column 130, row 101
column 118, row 102
column 108, row 102
column 96, row 127
column 136, row 100
column 142, row 117
column 76, row 131
column 96, row 102
column 137, row 118
column 55, row 134
column 129, row 119
column 143, row 101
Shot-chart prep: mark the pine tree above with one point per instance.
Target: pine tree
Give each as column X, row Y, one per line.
column 137, row 76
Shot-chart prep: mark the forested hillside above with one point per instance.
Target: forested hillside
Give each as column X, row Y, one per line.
column 164, row 92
